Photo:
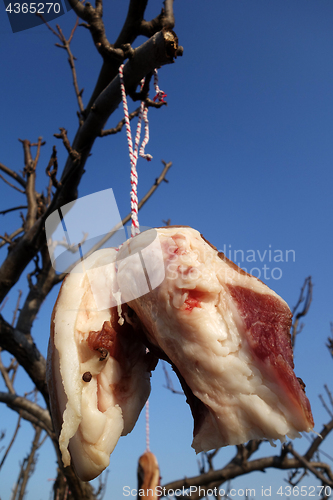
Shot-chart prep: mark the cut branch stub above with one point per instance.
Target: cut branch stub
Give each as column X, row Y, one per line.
column 159, row 50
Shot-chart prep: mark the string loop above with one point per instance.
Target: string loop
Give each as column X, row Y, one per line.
column 133, row 153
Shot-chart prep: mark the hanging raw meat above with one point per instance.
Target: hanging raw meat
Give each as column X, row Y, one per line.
column 148, row 477
column 227, row 336
column 98, row 370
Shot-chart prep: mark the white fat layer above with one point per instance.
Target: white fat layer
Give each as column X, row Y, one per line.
column 117, row 296
column 66, row 310
column 96, row 414
column 92, row 458
column 206, row 345
column 76, row 315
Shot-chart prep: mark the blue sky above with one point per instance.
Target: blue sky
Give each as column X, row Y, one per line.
column 248, row 128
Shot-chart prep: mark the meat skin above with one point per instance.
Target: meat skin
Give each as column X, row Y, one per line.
column 228, row 336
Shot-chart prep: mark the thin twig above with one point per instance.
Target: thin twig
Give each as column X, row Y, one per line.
column 158, row 181
column 309, row 466
column 6, row 299
column 17, row 307
column 28, row 464
column 48, row 25
column 169, row 384
column 21, row 207
column 329, row 344
column 12, row 185
column 329, row 394
column 306, row 297
column 22, row 403
column 75, row 156
column 60, row 277
column 120, row 125
column 210, row 456
column 14, row 365
column 118, row 128
column 325, row 406
column 8, row 239
column 30, row 172
column 51, row 171
column 39, row 144
column 5, row 375
column 13, row 174
column 327, row 428
column 11, row 441
column 66, row 45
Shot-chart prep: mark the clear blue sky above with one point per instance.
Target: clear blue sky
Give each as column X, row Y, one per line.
column 248, row 128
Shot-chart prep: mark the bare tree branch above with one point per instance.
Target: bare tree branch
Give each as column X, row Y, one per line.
column 158, row 181
column 12, row 185
column 13, row 174
column 160, row 49
column 9, row 238
column 11, row 441
column 17, row 307
column 46, row 279
column 22, row 403
column 329, row 344
column 20, row 207
column 306, row 298
column 169, row 384
column 66, row 45
column 120, row 125
column 118, row 128
column 29, row 171
column 23, row 248
column 240, row 465
column 6, row 239
column 51, row 171
column 218, row 477
column 26, row 353
column 27, row 467
column 74, row 155
column 5, row 376
column 125, row 220
column 318, row 440
column 165, row 19
column 308, row 466
column 93, row 18
column 323, row 402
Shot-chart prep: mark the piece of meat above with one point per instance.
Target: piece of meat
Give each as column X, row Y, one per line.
column 98, row 371
column 148, row 477
column 228, row 337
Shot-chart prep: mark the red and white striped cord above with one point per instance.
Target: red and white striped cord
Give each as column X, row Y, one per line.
column 160, row 95
column 144, row 116
column 133, row 154
column 147, row 427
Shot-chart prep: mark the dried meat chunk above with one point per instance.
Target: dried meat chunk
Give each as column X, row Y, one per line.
column 98, row 371
column 227, row 336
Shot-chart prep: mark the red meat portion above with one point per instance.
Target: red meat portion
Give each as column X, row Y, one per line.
column 267, row 328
